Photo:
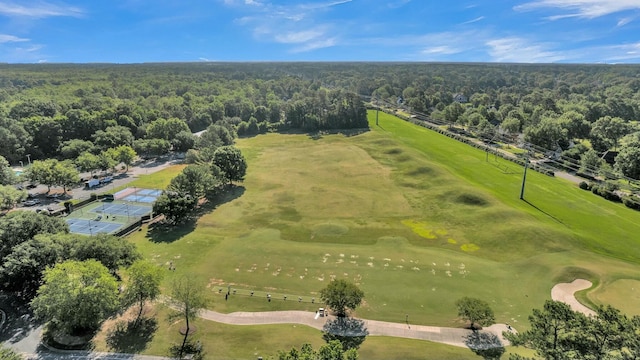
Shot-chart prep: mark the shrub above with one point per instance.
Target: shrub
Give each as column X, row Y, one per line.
column 584, row 185
column 631, row 202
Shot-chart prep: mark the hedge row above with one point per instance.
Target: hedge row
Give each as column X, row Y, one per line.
column 631, row 202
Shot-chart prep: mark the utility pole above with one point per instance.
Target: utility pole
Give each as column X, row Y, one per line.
column 377, row 111
column 524, row 176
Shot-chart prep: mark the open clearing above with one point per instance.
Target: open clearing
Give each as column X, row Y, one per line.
column 416, row 219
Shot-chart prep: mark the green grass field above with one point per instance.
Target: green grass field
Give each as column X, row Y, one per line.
column 416, row 219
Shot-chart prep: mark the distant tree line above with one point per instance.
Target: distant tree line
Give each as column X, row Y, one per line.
column 62, row 111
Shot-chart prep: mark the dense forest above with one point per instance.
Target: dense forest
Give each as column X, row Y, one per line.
column 62, row 111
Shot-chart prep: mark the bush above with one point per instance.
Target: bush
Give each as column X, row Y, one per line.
column 584, row 185
column 595, row 189
column 631, row 202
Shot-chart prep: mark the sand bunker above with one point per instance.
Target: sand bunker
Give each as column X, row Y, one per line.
column 564, row 292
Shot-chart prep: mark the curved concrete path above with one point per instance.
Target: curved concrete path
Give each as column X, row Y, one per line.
column 565, row 292
column 450, row 336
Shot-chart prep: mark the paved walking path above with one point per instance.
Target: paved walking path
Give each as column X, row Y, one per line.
column 450, row 336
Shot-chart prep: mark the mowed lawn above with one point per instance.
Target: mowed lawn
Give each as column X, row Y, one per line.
column 416, row 219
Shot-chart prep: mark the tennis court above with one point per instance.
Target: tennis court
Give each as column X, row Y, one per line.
column 91, row 227
column 138, row 198
column 125, row 209
column 148, row 196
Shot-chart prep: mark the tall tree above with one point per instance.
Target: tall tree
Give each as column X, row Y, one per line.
column 7, row 176
column 188, row 297
column 341, row 296
column 175, row 206
column 195, row 180
column 125, row 154
column 628, row 161
column 77, row 296
column 475, row 311
column 611, row 129
column 551, row 331
column 113, row 136
column 143, row 284
column 10, row 196
column 19, row 226
column 52, row 172
column 88, row 162
column 111, row 251
column 232, row 163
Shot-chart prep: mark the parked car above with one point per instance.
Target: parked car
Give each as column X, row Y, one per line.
column 32, row 202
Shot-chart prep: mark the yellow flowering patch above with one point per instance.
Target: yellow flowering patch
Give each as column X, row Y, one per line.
column 452, row 241
column 420, row 228
column 470, row 247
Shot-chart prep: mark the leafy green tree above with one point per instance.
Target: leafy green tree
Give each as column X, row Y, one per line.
column 111, row 251
column 232, row 163
column 52, row 172
column 628, row 161
column 183, row 141
column 166, row 129
column 71, row 149
column 188, row 298
column 475, row 311
column 19, row 226
column 10, row 196
column 590, row 162
column 7, row 176
column 88, row 162
column 216, row 136
column 143, row 284
column 15, row 140
column 125, row 154
column 194, row 180
column 341, row 296
column 112, row 137
column 612, row 129
column 551, row 331
column 9, row 354
column 106, row 160
column 175, row 207
column 547, row 134
column 333, row 351
column 22, row 269
column 152, row 147
column 77, row 296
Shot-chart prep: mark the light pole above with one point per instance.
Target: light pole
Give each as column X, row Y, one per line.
column 29, row 158
column 21, row 164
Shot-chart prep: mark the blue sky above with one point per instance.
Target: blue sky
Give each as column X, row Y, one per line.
column 132, row 31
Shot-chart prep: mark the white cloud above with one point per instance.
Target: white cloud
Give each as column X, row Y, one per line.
column 38, row 10
column 624, row 21
column 441, row 50
column 520, row 50
column 581, row 8
column 10, row 38
column 479, row 18
column 299, row 24
column 298, row 36
column 316, row 44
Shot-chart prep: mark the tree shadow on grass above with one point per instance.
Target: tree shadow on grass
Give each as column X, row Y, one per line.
column 129, row 337
column 350, row 332
column 167, row 233
column 486, row 345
